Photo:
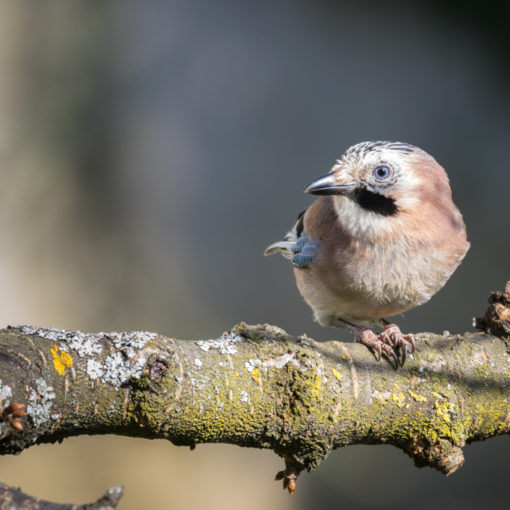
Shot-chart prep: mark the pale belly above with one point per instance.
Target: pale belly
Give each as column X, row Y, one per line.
column 364, row 290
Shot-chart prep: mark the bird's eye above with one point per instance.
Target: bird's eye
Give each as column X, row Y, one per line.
column 382, row 172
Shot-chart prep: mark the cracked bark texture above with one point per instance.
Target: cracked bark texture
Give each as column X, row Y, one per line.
column 258, row 386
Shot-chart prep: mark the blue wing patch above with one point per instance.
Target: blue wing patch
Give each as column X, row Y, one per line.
column 305, row 251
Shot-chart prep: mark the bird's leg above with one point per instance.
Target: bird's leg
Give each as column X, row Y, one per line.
column 389, row 342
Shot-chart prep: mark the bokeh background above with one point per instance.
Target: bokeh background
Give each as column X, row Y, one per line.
column 149, row 151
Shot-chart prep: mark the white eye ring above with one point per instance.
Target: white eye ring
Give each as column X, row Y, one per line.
column 382, row 172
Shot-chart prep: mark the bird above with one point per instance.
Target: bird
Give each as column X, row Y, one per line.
column 382, row 237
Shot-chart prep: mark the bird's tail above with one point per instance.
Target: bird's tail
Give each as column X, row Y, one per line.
column 283, row 247
column 289, row 241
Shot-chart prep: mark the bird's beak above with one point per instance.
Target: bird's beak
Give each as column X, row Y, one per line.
column 328, row 185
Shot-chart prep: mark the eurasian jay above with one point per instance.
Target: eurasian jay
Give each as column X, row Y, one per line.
column 383, row 237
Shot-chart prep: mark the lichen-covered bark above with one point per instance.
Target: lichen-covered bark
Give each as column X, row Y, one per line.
column 256, row 386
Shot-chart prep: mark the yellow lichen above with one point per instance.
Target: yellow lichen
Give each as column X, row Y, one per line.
column 61, row 360
column 316, row 388
column 337, row 374
column 443, row 410
column 417, row 396
column 399, row 399
column 255, row 375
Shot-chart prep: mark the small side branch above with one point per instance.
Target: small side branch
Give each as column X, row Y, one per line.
column 17, row 500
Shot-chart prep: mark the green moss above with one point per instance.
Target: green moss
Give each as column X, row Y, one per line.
column 141, row 383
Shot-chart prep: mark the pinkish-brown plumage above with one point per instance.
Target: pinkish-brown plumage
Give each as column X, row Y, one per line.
column 384, row 239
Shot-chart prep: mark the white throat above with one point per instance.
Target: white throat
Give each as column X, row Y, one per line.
column 361, row 223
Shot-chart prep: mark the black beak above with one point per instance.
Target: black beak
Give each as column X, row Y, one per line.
column 327, row 185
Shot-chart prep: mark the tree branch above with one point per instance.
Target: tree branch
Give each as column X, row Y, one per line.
column 258, row 386
column 17, row 500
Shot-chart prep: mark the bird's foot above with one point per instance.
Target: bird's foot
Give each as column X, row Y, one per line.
column 403, row 343
column 391, row 342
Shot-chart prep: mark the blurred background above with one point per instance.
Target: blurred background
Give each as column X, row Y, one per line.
column 149, row 151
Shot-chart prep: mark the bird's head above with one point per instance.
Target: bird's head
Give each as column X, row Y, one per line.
column 376, row 184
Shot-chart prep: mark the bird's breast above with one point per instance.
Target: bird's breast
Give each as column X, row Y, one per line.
column 365, row 281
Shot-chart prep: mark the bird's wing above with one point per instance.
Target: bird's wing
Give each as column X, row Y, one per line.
column 296, row 246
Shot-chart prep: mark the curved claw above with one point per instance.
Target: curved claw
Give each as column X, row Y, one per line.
column 403, row 355
column 395, row 345
column 391, row 354
column 405, row 343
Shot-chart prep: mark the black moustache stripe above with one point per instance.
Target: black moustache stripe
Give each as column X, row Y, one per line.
column 375, row 202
